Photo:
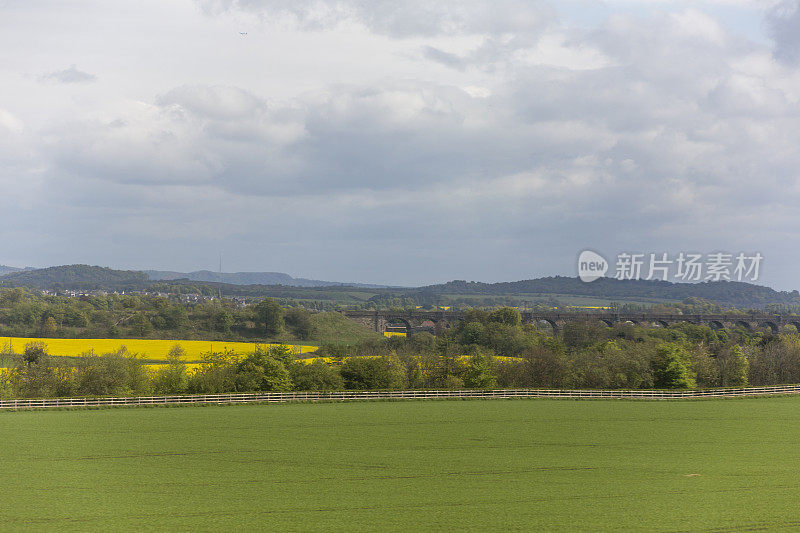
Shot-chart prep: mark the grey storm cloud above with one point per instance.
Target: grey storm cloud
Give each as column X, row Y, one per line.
column 68, row 75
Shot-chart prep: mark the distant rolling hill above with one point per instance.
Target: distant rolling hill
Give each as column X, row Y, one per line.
column 75, row 277
column 247, row 278
column 730, row 293
column 96, row 277
column 462, row 293
column 9, row 269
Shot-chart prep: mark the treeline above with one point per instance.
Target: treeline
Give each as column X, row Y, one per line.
column 493, row 349
column 487, row 350
column 25, row 313
column 29, row 313
column 35, row 374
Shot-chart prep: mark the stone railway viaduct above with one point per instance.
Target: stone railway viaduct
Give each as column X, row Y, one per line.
column 437, row 321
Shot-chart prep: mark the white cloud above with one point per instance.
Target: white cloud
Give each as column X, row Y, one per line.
column 368, row 138
column 403, row 19
column 9, row 122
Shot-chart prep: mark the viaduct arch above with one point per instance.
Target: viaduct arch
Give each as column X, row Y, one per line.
column 415, row 321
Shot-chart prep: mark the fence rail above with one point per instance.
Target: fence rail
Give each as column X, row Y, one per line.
column 283, row 397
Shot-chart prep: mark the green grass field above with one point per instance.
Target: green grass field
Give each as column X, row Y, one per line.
column 725, row 465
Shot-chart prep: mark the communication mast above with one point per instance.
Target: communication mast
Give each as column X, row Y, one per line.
column 219, row 287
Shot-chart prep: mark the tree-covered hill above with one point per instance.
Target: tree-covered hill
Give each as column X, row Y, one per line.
column 246, row 278
column 728, row 293
column 75, row 277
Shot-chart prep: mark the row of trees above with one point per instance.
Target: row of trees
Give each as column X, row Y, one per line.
column 486, row 349
column 26, row 313
column 620, row 358
column 34, row 373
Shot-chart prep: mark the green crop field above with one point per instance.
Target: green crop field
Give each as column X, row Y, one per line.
column 726, row 465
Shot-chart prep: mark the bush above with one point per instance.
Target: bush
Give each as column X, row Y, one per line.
column 671, row 368
column 269, row 314
column 265, row 370
column 453, row 383
column 581, row 334
column 507, row 316
column 608, row 366
column 480, row 373
column 34, row 374
column 473, row 333
column 316, row 376
column 362, row 373
column 113, row 374
column 172, row 378
column 733, row 366
column 216, row 374
column 299, row 323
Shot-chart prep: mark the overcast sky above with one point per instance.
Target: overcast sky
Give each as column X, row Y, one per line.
column 398, row 142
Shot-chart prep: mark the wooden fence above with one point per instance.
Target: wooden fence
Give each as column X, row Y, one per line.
column 282, row 397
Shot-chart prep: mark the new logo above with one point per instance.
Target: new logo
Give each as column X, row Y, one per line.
column 591, row 266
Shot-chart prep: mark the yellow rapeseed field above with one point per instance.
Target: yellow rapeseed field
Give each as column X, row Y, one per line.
column 191, row 368
column 462, row 358
column 329, row 360
column 145, row 348
column 393, row 334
